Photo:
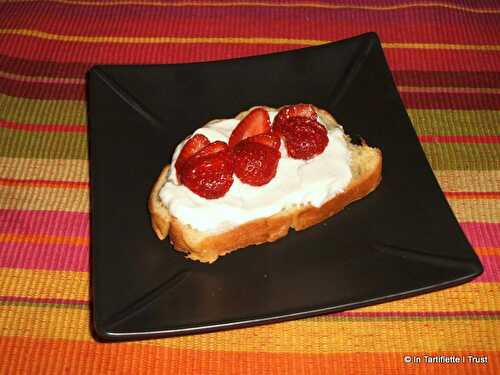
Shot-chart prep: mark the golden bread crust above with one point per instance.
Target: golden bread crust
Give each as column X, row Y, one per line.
column 206, row 247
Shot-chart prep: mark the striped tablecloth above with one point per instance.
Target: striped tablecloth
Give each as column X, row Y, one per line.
column 445, row 57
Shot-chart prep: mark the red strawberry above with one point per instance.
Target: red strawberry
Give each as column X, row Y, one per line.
column 305, row 139
column 191, row 147
column 255, row 164
column 280, row 123
column 211, row 148
column 256, row 122
column 209, row 175
column 271, row 140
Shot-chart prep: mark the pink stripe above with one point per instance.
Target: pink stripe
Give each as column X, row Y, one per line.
column 482, row 234
column 491, row 265
column 427, row 138
column 43, row 127
column 56, row 223
column 51, row 301
column 54, row 257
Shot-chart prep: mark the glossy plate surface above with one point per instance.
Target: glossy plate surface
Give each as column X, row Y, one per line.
column 401, row 240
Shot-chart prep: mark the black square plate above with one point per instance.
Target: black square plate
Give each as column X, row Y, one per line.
column 401, row 240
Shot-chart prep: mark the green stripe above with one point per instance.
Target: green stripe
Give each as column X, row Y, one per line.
column 43, row 145
column 463, row 156
column 455, row 122
column 44, row 304
column 35, row 111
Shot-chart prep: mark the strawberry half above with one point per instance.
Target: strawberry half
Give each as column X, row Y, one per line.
column 305, row 138
column 191, row 147
column 255, row 163
column 209, row 173
column 290, row 111
column 256, row 122
column 271, row 140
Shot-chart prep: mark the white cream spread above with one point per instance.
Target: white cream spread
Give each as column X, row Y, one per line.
column 297, row 182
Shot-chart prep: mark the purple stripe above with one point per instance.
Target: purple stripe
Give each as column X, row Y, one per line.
column 44, row 256
column 482, row 234
column 50, row 301
column 56, row 223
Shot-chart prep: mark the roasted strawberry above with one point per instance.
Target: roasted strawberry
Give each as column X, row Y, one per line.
column 210, row 175
column 305, row 138
column 256, row 122
column 280, row 123
column 255, row 163
column 191, row 147
column 270, row 139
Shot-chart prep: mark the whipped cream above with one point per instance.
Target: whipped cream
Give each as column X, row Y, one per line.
column 297, row 182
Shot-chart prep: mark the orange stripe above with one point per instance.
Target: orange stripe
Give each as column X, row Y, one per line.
column 472, row 195
column 29, row 356
column 42, row 79
column 43, row 238
column 449, row 90
column 44, row 183
column 230, row 40
column 487, row 250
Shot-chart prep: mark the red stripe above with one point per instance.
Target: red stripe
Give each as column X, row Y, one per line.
column 443, row 60
column 409, row 25
column 53, row 91
column 451, row 101
column 428, row 138
column 33, row 67
column 105, row 53
column 43, row 128
column 447, row 79
column 473, row 194
column 57, row 223
column 45, row 183
column 35, row 90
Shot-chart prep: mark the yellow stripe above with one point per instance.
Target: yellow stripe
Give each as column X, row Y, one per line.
column 45, row 169
column 467, row 180
column 42, row 79
column 462, row 298
column 315, row 336
column 158, row 40
column 286, row 5
column 449, row 90
column 74, row 285
column 77, row 200
column 477, row 210
column 44, row 284
column 410, row 89
column 469, row 47
column 228, row 40
column 44, row 198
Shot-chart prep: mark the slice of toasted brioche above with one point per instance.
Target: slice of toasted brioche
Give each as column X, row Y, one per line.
column 366, row 167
